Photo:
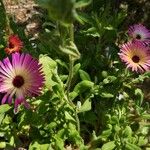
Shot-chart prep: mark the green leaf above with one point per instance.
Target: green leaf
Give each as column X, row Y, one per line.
column 109, row 146
column 7, row 119
column 105, row 134
column 109, row 28
column 109, row 79
column 117, row 128
column 146, row 116
column 106, row 95
column 83, row 86
column 144, row 130
column 82, row 3
column 2, row 115
column 71, row 50
column 76, row 68
column 68, row 116
column 73, row 95
column 38, row 146
column 2, row 145
column 86, row 106
column 142, row 141
column 52, row 125
column 59, row 143
column 12, row 140
column 130, row 146
column 84, row 75
column 63, row 77
column 61, row 63
column 140, row 95
column 90, row 117
column 92, row 32
column 48, row 66
column 4, row 108
column 114, row 120
column 60, row 10
column 44, row 59
column 104, row 74
column 127, row 131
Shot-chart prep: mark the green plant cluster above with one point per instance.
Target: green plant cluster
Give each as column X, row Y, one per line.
column 90, row 100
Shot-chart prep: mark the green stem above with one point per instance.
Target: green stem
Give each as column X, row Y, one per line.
column 68, row 90
column 77, row 120
column 71, row 61
column 72, row 32
column 68, row 83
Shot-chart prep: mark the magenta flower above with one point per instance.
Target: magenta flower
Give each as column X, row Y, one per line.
column 20, row 77
column 138, row 32
column 136, row 56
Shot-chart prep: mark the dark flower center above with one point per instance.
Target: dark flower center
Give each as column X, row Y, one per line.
column 11, row 45
column 18, row 81
column 138, row 36
column 135, row 59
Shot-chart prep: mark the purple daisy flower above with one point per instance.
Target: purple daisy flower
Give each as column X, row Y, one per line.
column 20, row 77
column 140, row 33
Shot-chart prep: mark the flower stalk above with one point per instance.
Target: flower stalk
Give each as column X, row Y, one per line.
column 68, row 83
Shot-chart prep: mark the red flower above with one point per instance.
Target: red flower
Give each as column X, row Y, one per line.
column 14, row 44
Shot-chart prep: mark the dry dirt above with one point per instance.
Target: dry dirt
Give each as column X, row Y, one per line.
column 25, row 13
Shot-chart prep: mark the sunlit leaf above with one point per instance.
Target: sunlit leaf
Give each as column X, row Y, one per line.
column 82, row 3
column 109, row 146
column 83, row 86
column 130, row 146
column 4, row 108
column 84, row 75
column 86, row 106
column 48, row 66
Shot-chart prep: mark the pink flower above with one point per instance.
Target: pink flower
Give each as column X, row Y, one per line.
column 20, row 77
column 138, row 32
column 136, row 56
